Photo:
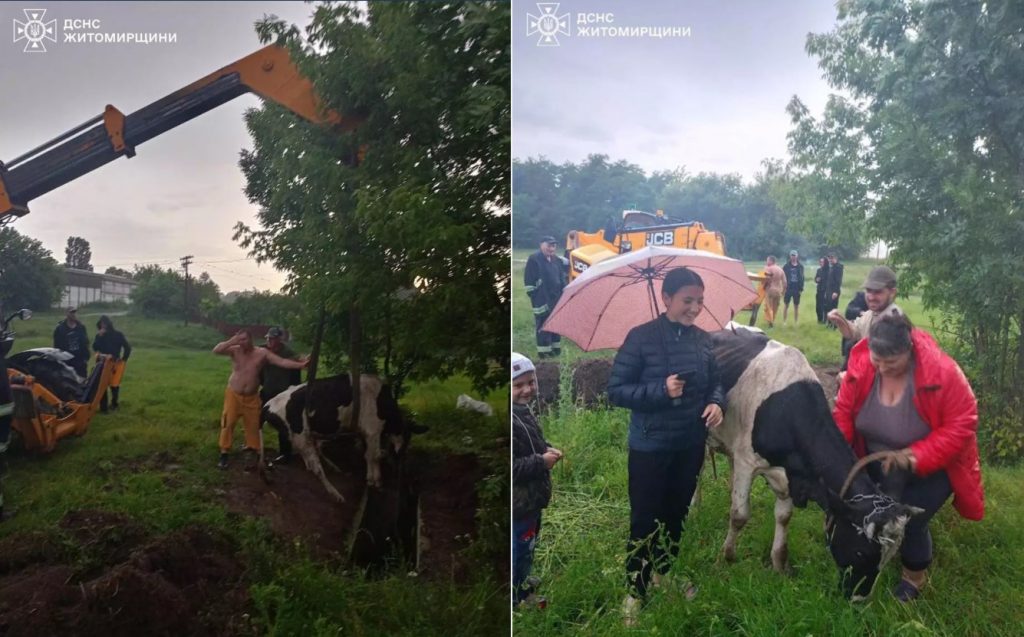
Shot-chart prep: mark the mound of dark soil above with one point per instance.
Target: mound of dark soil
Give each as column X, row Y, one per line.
column 103, row 537
column 182, row 583
column 589, row 381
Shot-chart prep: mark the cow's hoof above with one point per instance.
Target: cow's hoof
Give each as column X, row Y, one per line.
column 729, row 553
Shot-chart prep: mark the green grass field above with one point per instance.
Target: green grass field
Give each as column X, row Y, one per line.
column 171, row 395
column 977, row 575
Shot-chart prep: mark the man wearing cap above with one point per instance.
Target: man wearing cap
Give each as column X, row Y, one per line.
column 70, row 336
column 794, row 271
column 879, row 292
column 545, row 278
column 273, row 381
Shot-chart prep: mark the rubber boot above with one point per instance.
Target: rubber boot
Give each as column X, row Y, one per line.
column 114, row 391
column 911, row 583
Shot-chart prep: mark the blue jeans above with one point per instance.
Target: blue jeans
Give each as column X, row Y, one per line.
column 524, row 541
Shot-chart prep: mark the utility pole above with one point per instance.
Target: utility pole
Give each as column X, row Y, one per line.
column 185, row 262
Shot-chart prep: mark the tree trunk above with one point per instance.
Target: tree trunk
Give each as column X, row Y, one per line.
column 355, row 355
column 318, row 337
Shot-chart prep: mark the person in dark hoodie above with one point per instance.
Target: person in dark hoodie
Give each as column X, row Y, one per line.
column 112, row 343
column 666, row 374
column 532, row 460
column 70, row 336
column 821, row 302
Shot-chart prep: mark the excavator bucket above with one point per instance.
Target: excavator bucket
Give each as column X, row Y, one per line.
column 42, row 419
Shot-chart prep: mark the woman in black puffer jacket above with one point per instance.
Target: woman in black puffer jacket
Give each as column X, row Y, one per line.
column 665, row 372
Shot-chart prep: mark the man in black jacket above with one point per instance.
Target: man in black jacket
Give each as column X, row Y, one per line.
column 666, row 374
column 545, row 278
column 70, row 336
column 794, row 286
column 273, row 381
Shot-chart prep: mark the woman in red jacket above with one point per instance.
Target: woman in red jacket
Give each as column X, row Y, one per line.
column 903, row 393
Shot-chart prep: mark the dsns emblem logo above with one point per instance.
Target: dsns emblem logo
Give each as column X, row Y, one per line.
column 34, row 31
column 549, row 25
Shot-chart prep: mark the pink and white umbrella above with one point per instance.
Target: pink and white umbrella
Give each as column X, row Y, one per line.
column 599, row 308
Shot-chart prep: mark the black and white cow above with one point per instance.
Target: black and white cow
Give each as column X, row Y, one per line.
column 381, row 426
column 778, row 425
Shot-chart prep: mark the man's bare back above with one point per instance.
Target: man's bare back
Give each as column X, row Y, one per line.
column 247, row 361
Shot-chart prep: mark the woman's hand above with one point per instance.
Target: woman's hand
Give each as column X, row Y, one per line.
column 674, row 386
column 903, row 459
column 551, row 456
column 712, row 415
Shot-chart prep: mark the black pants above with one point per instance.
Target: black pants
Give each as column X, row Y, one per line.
column 821, row 306
column 928, row 493
column 548, row 343
column 661, row 484
column 284, row 443
column 80, row 365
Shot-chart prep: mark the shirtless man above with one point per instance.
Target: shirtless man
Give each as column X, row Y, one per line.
column 241, row 397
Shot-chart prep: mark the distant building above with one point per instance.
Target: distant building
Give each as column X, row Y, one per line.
column 82, row 286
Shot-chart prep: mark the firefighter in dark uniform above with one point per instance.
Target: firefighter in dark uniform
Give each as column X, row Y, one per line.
column 545, row 279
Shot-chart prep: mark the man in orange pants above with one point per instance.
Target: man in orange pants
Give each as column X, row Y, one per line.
column 241, row 397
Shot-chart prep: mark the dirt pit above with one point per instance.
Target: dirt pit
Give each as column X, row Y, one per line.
column 183, row 583
column 295, row 504
column 298, row 507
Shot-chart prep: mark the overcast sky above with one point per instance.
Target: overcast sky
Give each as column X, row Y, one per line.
column 714, row 101
column 183, row 192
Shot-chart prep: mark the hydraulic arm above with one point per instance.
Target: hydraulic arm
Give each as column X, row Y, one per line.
column 268, row 73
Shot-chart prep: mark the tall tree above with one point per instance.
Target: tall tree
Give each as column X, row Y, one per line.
column 160, row 292
column 29, row 275
column 932, row 135
column 78, row 254
column 118, row 272
column 410, row 247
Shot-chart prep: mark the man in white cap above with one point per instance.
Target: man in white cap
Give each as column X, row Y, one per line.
column 879, row 292
column 532, row 460
column 794, row 286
